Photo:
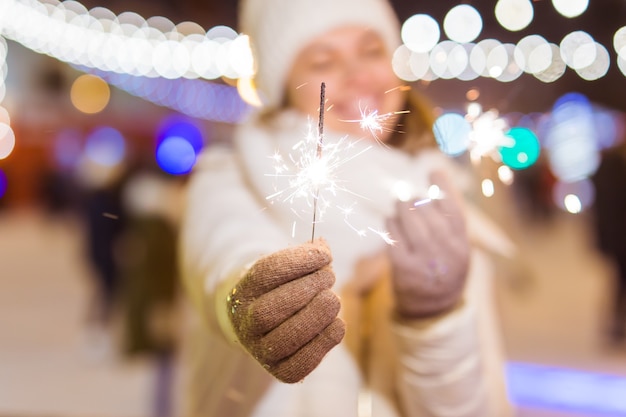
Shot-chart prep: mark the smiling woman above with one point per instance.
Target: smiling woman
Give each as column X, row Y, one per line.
column 348, row 324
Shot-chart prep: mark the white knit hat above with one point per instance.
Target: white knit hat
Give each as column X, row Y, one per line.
column 279, row 29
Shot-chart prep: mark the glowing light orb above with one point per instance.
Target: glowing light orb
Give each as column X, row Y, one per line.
column 3, row 183
column 90, row 94
column 566, row 389
column 7, row 140
column 578, row 49
column 175, row 155
column 502, row 65
column 619, row 40
column 533, row 54
column 419, row 63
column 452, row 133
column 574, row 197
column 571, row 139
column 248, row 92
column 463, row 23
column 570, row 8
column 514, row 15
column 68, row 148
column 599, row 67
column 621, row 63
column 105, row 146
column 555, row 70
column 480, row 60
column 400, row 62
column 523, row 150
column 448, row 59
column 4, row 116
column 487, row 188
column 505, row 174
column 420, row 33
column 181, row 127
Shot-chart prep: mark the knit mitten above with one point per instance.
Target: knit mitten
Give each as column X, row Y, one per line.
column 430, row 260
column 284, row 313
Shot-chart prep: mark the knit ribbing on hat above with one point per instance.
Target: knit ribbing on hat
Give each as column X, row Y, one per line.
column 279, row 29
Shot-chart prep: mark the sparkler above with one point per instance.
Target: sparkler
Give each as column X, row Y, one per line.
column 320, row 142
column 312, row 166
column 311, row 171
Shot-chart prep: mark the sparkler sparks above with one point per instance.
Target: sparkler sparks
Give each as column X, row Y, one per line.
column 311, row 170
column 375, row 123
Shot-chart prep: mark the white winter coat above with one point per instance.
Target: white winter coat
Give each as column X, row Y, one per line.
column 443, row 367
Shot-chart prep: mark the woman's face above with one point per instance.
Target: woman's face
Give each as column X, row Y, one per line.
column 356, row 67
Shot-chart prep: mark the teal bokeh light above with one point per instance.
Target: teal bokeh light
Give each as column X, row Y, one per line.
column 523, row 149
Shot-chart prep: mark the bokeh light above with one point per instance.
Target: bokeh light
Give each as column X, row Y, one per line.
column 90, row 94
column 448, row 59
column 555, row 70
column 570, row 8
column 574, row 197
column 533, row 54
column 401, row 63
column 598, row 67
column 7, row 140
column 571, row 140
column 578, row 49
column 523, row 150
column 105, row 146
column 181, row 127
column 463, row 23
column 4, row 116
column 506, row 175
column 452, row 133
column 3, row 183
column 68, row 148
column 175, row 155
column 487, row 188
column 420, row 33
column 619, row 40
column 514, row 15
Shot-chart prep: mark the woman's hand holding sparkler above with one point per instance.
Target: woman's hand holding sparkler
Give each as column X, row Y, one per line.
column 430, row 260
column 284, row 312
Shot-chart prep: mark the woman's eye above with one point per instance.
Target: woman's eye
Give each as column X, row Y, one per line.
column 374, row 51
column 321, row 64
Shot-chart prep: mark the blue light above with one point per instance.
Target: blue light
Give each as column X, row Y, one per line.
column 211, row 100
column 452, row 133
column 68, row 147
column 106, row 146
column 3, row 183
column 571, row 139
column 565, row 389
column 175, row 155
column 181, row 127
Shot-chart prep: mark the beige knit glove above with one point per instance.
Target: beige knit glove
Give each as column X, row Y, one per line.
column 284, row 313
column 430, row 260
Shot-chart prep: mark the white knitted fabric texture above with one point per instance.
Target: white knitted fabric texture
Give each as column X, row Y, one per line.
column 279, row 29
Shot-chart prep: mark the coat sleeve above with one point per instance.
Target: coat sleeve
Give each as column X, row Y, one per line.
column 453, row 365
column 224, row 229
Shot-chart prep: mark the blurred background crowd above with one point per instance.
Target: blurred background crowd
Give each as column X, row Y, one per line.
column 104, row 107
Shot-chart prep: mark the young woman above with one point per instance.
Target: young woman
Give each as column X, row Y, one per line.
column 346, row 324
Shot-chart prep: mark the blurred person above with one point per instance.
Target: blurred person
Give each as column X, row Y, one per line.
column 148, row 275
column 103, row 218
column 610, row 228
column 342, row 325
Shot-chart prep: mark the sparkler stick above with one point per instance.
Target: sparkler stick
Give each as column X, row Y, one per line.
column 320, row 142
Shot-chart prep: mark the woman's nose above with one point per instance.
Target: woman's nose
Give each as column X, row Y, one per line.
column 357, row 74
